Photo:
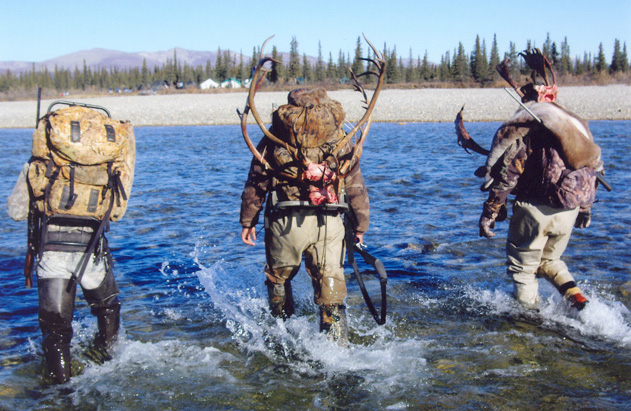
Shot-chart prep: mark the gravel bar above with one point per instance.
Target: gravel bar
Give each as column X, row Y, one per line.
column 411, row 105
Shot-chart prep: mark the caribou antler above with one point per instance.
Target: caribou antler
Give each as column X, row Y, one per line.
column 538, row 63
column 364, row 123
column 257, row 79
column 464, row 139
column 504, row 71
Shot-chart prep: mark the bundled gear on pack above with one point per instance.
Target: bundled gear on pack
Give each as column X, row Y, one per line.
column 308, row 168
column 313, row 122
column 546, row 156
column 78, row 179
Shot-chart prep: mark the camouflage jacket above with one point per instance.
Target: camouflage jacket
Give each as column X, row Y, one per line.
column 262, row 181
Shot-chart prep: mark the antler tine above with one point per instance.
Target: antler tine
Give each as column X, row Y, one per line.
column 549, row 66
column 364, row 123
column 503, row 71
column 540, row 68
column 256, row 81
column 357, row 85
column 244, row 130
column 264, row 43
column 538, row 62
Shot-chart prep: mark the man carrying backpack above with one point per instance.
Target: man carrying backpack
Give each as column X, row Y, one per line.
column 306, row 199
column 547, row 157
column 77, row 180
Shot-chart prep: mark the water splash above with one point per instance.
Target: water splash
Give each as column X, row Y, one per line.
column 602, row 319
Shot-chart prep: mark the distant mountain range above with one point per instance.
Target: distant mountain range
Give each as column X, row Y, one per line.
column 102, row 58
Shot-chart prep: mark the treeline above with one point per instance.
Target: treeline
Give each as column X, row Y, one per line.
column 476, row 68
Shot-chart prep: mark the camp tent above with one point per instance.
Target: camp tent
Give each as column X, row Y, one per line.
column 231, row 83
column 208, row 84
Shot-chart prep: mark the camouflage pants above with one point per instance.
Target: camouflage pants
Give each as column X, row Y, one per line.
column 537, row 237
column 320, row 239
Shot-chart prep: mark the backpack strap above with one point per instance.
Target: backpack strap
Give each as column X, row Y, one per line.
column 72, row 197
column 96, row 237
column 115, row 184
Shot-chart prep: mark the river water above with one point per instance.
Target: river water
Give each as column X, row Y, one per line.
column 196, row 333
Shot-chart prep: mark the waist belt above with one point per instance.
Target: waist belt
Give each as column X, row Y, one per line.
column 68, row 234
column 70, row 241
column 333, row 208
column 275, row 208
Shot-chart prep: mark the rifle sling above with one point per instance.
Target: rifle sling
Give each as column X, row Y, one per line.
column 350, row 250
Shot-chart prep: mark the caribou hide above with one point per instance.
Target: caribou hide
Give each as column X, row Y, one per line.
column 574, row 141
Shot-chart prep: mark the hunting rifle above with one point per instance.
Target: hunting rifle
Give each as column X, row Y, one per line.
column 34, row 219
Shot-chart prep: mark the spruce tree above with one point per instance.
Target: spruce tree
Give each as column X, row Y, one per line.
column 600, row 64
column 358, row 63
column 320, row 70
column 616, row 59
column 494, row 60
column 460, row 65
column 294, row 70
column 307, row 71
column 565, row 63
column 425, row 69
column 331, row 70
column 277, row 68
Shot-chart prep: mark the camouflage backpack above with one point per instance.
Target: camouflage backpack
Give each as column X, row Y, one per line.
column 82, row 163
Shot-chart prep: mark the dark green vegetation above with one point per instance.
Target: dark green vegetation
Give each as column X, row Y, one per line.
column 457, row 68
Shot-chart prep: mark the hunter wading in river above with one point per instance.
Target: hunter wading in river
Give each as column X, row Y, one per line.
column 547, row 157
column 308, row 168
column 78, row 179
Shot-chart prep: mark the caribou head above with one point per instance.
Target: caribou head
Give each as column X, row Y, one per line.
column 540, row 65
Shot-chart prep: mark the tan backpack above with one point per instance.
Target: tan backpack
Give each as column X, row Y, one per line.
column 83, row 163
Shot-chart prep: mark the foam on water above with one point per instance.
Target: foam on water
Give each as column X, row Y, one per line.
column 603, row 317
column 297, row 342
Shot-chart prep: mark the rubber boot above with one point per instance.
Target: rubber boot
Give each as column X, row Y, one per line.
column 573, row 295
column 281, row 299
column 108, row 321
column 56, row 307
column 105, row 306
column 333, row 323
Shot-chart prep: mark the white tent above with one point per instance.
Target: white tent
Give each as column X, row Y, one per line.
column 210, row 83
column 231, row 83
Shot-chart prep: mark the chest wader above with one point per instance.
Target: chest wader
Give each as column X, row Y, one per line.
column 56, row 296
column 332, row 317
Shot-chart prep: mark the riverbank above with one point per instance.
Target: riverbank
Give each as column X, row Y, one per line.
column 417, row 105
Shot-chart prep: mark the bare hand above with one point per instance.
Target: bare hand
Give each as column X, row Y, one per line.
column 360, row 238
column 248, row 235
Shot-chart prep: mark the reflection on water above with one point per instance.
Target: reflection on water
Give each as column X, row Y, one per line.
column 197, row 335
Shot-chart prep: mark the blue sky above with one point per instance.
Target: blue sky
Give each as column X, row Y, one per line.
column 36, row 30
